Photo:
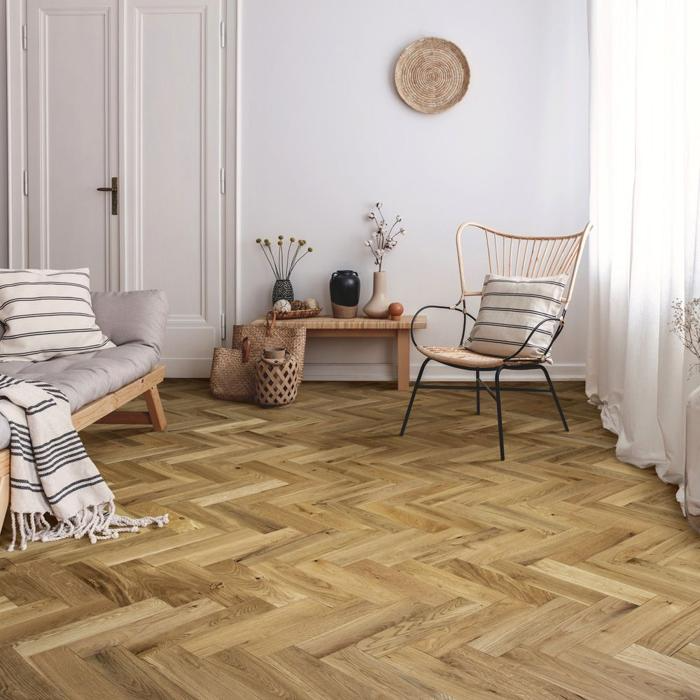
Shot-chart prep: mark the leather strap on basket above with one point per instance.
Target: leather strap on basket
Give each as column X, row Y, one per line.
column 270, row 322
column 245, row 349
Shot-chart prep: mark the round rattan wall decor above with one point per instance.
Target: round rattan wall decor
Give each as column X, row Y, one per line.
column 431, row 75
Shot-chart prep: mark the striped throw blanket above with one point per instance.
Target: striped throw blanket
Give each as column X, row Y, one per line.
column 56, row 491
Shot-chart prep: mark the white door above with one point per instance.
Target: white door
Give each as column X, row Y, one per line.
column 72, row 129
column 129, row 93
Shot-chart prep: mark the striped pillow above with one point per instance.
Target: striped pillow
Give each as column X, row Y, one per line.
column 47, row 313
column 510, row 308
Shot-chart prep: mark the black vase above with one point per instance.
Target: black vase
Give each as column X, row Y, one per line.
column 282, row 290
column 345, row 293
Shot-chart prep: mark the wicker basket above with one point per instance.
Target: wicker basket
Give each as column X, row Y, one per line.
column 291, row 315
column 431, row 75
column 271, row 335
column 276, row 381
column 232, row 375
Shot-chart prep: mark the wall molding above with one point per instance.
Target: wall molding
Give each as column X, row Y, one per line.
column 16, row 57
column 371, row 372
column 379, row 372
column 234, row 164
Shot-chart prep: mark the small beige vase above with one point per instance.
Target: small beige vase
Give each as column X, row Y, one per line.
column 378, row 305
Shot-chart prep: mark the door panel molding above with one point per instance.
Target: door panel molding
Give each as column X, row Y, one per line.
column 67, row 43
column 16, row 135
column 175, row 81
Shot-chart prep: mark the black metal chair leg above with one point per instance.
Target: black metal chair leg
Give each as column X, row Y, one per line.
column 555, row 397
column 478, row 393
column 499, row 414
column 413, row 396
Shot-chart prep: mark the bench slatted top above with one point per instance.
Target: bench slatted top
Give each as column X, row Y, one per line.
column 328, row 323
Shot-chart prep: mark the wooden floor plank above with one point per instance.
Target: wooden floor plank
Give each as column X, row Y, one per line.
column 20, row 680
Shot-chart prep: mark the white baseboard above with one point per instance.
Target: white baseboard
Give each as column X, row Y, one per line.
column 186, row 368
column 363, row 372
column 369, row 372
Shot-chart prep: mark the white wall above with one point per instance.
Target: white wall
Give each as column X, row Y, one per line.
column 323, row 134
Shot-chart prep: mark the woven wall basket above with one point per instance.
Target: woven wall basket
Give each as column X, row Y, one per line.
column 431, row 75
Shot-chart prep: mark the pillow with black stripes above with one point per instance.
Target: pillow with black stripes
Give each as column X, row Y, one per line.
column 511, row 307
column 47, row 313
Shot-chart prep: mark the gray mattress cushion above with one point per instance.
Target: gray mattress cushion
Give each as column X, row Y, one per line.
column 130, row 317
column 86, row 377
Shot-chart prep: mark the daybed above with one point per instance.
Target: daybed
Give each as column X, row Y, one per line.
column 97, row 384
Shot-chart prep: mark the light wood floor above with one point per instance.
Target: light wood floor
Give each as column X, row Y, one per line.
column 312, row 553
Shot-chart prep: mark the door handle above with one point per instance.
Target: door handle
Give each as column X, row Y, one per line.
column 114, row 189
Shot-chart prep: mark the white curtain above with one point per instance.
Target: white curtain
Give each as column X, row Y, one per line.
column 644, row 250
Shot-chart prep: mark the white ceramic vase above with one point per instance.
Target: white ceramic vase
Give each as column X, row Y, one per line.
column 378, row 305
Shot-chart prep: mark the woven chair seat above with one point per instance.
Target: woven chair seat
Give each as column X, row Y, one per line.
column 455, row 355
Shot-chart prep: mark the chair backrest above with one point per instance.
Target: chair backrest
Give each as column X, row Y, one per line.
column 527, row 256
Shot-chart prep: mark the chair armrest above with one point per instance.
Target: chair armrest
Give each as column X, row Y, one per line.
column 459, row 307
column 559, row 320
column 132, row 317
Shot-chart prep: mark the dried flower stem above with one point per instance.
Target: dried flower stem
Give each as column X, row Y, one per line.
column 298, row 260
column 383, row 240
column 289, row 248
column 269, row 258
column 685, row 324
column 296, row 253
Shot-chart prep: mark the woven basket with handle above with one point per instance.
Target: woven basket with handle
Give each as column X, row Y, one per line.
column 233, row 373
column 272, row 335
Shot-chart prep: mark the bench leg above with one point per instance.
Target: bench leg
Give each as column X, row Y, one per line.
column 403, row 354
column 155, row 409
column 154, row 416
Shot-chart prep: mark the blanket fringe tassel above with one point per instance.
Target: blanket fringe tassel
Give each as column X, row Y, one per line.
column 96, row 522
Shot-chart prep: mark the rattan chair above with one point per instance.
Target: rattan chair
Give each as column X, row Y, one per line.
column 522, row 256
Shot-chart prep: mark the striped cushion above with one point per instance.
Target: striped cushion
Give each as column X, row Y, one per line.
column 47, row 313
column 510, row 308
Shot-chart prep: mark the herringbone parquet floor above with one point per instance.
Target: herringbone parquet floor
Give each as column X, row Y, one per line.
column 312, row 553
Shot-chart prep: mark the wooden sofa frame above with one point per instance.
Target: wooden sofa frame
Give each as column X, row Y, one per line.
column 105, row 410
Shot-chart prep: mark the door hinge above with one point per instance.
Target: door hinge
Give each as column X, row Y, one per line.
column 223, row 326
column 25, row 183
column 222, row 180
column 24, row 37
column 222, row 34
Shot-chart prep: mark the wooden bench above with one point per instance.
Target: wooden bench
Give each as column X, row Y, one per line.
column 105, row 410
column 329, row 327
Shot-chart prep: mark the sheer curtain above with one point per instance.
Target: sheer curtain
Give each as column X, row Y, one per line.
column 645, row 178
